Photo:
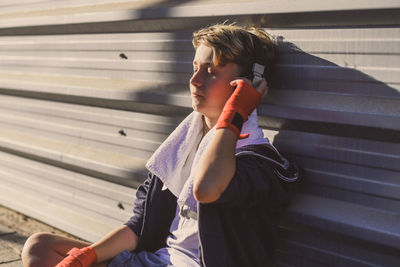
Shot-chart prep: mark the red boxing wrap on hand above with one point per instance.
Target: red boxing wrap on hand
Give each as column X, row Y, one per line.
column 83, row 257
column 239, row 106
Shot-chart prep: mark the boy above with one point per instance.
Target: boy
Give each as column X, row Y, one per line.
column 215, row 186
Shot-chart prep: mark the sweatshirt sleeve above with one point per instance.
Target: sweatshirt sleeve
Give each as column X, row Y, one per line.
column 136, row 221
column 254, row 182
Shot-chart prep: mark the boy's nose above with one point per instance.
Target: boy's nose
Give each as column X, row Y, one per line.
column 196, row 79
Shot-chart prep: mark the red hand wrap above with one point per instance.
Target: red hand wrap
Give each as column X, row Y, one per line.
column 239, row 106
column 83, row 257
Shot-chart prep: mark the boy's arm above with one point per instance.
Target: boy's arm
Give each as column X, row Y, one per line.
column 122, row 238
column 218, row 163
column 216, row 167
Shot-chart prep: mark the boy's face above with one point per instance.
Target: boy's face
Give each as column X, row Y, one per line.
column 210, row 85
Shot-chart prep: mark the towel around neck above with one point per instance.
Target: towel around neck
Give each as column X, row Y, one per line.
column 177, row 157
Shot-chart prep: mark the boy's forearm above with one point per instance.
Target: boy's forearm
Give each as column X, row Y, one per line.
column 122, row 238
column 216, row 167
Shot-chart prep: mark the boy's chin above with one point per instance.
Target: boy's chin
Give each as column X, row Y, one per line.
column 196, row 107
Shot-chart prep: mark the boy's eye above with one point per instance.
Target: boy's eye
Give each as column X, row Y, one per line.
column 209, row 71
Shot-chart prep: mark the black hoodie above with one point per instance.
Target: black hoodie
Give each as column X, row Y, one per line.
column 239, row 229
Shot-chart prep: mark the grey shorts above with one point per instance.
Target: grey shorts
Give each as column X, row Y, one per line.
column 139, row 259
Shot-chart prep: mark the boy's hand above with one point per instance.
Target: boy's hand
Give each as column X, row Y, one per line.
column 261, row 86
column 83, row 257
column 240, row 105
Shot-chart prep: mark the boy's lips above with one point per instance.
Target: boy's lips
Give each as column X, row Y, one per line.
column 197, row 95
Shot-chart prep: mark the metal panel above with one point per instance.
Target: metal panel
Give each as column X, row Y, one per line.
column 112, row 143
column 77, row 203
column 133, row 10
column 88, row 90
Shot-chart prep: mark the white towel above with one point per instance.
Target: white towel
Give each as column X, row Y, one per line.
column 175, row 161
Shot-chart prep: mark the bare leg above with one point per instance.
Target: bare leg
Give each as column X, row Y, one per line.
column 45, row 249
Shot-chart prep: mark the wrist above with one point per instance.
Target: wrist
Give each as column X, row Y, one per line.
column 86, row 256
column 239, row 106
column 230, row 120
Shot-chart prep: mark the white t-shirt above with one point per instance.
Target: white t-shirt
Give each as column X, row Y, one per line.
column 183, row 242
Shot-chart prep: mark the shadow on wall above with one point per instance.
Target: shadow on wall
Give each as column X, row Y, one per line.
column 342, row 127
column 328, row 113
column 314, row 95
column 298, row 70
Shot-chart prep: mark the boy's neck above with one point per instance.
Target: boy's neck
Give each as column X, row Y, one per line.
column 208, row 124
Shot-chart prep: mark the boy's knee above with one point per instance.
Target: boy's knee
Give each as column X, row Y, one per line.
column 38, row 239
column 36, row 245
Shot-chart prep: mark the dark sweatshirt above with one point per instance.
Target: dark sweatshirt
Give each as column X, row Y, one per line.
column 239, row 229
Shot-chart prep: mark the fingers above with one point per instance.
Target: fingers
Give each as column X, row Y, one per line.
column 235, row 82
column 261, row 87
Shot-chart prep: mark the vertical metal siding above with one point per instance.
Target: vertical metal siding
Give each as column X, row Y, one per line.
column 88, row 92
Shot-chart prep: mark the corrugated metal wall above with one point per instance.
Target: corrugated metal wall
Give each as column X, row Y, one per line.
column 89, row 89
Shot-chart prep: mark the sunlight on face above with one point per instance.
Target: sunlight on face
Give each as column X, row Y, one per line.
column 210, row 85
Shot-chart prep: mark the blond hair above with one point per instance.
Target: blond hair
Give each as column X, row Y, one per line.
column 236, row 44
